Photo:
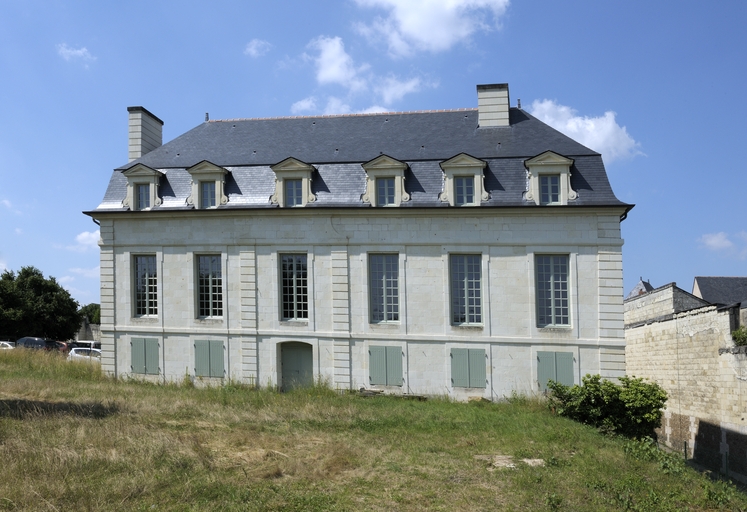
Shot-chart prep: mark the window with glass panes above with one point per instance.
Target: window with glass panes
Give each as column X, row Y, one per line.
column 552, row 289
column 146, row 286
column 466, row 301
column 209, row 286
column 143, row 196
column 549, row 189
column 294, row 286
column 383, row 270
column 293, row 193
column 384, row 191
column 464, row 190
column 207, row 194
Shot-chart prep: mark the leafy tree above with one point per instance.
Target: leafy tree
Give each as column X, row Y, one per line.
column 93, row 312
column 31, row 305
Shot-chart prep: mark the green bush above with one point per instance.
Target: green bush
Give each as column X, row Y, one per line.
column 740, row 336
column 632, row 409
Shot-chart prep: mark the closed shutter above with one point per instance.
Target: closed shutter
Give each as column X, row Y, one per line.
column 137, row 354
column 377, row 365
column 393, row 366
column 545, row 368
column 151, row 356
column 477, row 375
column 202, row 358
column 564, row 368
column 459, row 367
column 216, row 359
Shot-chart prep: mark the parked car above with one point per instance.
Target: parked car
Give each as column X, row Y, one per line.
column 86, row 344
column 92, row 355
column 4, row 345
column 31, row 342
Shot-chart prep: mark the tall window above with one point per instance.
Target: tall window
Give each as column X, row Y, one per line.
column 294, row 277
column 552, row 290
column 293, row 193
column 384, row 191
column 550, row 189
column 143, row 197
column 146, row 286
column 464, row 190
column 207, row 194
column 383, row 271
column 466, row 304
column 210, row 286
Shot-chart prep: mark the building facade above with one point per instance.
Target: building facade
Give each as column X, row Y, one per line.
column 471, row 252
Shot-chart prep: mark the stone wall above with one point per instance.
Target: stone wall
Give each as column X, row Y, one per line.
column 660, row 304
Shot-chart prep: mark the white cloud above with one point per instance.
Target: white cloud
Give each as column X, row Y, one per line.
column 336, row 106
column 602, row 134
column 9, row 206
column 430, row 25
column 78, row 54
column 373, row 109
column 18, row 231
column 716, row 241
column 85, row 241
column 65, row 279
column 304, row 105
column 3, row 266
column 392, row 89
column 90, row 273
column 335, row 66
column 257, row 47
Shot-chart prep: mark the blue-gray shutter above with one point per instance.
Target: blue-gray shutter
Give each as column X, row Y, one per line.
column 564, row 368
column 477, row 375
column 377, row 365
column 151, row 356
column 202, row 358
column 459, row 367
column 545, row 368
column 137, row 355
column 393, row 366
column 216, row 359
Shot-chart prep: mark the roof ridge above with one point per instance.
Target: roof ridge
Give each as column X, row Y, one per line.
column 343, row 115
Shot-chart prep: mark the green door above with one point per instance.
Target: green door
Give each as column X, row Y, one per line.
column 297, row 365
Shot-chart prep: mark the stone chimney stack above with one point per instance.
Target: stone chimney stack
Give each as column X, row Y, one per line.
column 492, row 105
column 145, row 132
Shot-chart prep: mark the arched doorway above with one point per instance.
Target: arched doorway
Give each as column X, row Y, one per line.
column 296, row 365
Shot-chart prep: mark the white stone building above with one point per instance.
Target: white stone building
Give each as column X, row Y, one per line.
column 470, row 252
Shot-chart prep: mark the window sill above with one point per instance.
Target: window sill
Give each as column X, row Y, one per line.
column 291, row 322
column 469, row 327
column 554, row 328
column 385, row 325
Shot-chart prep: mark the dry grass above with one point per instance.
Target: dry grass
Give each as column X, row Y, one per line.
column 71, row 439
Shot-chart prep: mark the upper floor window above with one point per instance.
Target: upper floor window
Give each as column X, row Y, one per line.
column 145, row 285
column 464, row 183
column 466, row 292
column 292, row 183
column 293, row 193
column 142, row 200
column 207, row 194
column 385, row 182
column 552, row 289
column 142, row 187
column 549, row 179
column 210, row 286
column 383, row 272
column 208, row 183
column 295, row 286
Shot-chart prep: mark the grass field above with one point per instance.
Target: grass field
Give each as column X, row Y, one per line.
column 71, row 439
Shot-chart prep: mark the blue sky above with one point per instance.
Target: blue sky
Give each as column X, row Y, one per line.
column 659, row 88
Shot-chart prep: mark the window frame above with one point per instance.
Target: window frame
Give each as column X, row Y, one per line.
column 214, row 367
column 386, row 191
column 546, row 289
column 546, row 164
column 383, row 289
column 293, row 198
column 292, row 169
column 148, row 348
column 459, row 302
column 468, row 368
column 460, row 167
column 209, row 194
column 210, row 288
column 387, row 360
column 461, row 196
column 380, row 170
column 549, row 191
column 142, row 176
column 203, row 174
column 142, row 196
column 297, row 308
column 145, row 302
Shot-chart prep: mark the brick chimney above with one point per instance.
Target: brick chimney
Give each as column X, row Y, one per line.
column 145, row 132
column 492, row 105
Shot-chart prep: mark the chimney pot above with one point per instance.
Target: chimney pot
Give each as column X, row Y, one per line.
column 145, row 132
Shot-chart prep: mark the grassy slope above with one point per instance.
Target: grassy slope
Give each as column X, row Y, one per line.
column 73, row 440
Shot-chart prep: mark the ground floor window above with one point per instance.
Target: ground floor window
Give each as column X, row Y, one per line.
column 385, row 366
column 144, row 352
column 468, row 368
column 557, row 366
column 209, row 358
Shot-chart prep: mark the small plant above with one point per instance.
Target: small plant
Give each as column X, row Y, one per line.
column 740, row 336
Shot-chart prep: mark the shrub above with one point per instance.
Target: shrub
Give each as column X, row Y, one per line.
column 632, row 409
column 740, row 336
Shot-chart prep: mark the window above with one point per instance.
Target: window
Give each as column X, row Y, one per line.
column 144, row 356
column 210, row 286
column 550, row 189
column 557, row 366
column 552, row 290
column 464, row 190
column 142, row 201
column 294, row 285
column 209, row 358
column 293, row 193
column 207, row 194
column 466, row 306
column 383, row 271
column 385, row 191
column 385, row 366
column 468, row 368
column 146, row 286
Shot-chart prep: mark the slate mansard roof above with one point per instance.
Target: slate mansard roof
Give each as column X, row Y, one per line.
column 722, row 291
column 336, row 146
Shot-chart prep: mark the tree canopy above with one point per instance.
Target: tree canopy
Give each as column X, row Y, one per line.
column 31, row 305
column 93, row 312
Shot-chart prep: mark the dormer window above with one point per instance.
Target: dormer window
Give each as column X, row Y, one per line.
column 464, row 183
column 549, row 179
column 208, row 182
column 142, row 187
column 385, row 182
column 292, row 183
